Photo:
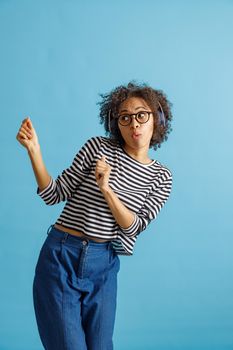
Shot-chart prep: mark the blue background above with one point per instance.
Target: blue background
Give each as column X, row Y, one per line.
column 176, row 291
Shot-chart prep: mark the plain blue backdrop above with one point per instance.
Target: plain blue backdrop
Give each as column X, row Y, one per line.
column 175, row 292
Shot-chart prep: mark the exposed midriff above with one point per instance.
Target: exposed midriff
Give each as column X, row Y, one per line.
column 79, row 234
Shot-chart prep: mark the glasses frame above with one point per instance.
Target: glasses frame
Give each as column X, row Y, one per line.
column 136, row 117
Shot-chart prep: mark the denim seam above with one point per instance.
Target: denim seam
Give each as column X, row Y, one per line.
column 63, row 331
column 102, row 312
column 109, row 256
column 84, row 260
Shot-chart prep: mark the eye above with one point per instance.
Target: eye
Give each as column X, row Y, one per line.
column 124, row 118
column 142, row 115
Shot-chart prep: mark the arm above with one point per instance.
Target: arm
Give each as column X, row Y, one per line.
column 50, row 190
column 28, row 138
column 123, row 216
column 66, row 183
column 129, row 223
column 42, row 176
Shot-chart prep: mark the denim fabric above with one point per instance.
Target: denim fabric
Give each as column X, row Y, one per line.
column 75, row 292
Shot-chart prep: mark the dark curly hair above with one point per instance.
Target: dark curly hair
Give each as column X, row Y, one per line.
column 110, row 104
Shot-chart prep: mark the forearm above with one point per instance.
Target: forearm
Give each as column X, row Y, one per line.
column 123, row 216
column 42, row 176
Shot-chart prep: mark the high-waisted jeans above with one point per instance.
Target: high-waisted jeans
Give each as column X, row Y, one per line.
column 75, row 292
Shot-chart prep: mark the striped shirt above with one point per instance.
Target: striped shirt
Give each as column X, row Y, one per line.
column 142, row 188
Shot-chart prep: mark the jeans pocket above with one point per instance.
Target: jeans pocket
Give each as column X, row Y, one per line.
column 50, row 256
column 114, row 260
column 40, row 257
column 110, row 255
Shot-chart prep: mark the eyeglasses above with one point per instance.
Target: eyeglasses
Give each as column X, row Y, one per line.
column 141, row 117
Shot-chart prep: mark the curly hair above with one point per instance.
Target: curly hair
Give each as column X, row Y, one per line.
column 155, row 99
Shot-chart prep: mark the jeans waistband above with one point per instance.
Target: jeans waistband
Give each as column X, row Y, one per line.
column 76, row 240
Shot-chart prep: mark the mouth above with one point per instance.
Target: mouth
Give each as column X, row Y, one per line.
column 136, row 136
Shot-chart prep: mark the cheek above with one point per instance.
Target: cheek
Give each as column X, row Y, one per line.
column 149, row 127
column 152, row 126
column 122, row 131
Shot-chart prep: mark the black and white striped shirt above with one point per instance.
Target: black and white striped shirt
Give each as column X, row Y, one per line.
column 143, row 189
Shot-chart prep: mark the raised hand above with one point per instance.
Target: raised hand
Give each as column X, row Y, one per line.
column 27, row 136
column 102, row 173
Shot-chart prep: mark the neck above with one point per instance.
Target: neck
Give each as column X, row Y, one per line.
column 139, row 154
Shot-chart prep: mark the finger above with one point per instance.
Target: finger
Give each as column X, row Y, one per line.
column 102, row 161
column 23, row 135
column 26, row 128
column 29, row 124
column 26, row 131
column 29, row 130
column 100, row 171
column 98, row 176
column 24, row 121
column 101, row 164
column 27, row 135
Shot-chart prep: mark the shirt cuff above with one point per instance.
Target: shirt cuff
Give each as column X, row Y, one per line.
column 47, row 189
column 131, row 228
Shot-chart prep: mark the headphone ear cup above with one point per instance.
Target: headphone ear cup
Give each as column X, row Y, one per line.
column 162, row 120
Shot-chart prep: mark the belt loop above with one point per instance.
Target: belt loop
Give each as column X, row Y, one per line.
column 65, row 237
column 48, row 231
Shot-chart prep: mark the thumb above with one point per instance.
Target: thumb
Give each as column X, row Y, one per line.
column 103, row 158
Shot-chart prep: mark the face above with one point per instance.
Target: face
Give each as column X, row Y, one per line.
column 136, row 135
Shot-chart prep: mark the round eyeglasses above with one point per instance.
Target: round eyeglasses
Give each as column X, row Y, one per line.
column 141, row 117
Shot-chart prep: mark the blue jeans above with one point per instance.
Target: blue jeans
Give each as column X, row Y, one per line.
column 75, row 292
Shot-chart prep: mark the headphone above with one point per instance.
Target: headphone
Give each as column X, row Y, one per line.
column 162, row 120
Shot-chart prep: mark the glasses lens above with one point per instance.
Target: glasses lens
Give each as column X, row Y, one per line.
column 142, row 117
column 124, row 119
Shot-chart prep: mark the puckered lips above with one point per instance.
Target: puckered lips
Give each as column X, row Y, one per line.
column 136, row 135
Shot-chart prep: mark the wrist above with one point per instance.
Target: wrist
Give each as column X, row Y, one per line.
column 106, row 189
column 32, row 150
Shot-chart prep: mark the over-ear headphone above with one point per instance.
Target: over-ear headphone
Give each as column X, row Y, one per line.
column 162, row 119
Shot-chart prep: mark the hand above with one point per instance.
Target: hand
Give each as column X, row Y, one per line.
column 102, row 173
column 27, row 136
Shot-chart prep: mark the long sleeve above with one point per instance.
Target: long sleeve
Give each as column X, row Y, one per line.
column 63, row 187
column 152, row 205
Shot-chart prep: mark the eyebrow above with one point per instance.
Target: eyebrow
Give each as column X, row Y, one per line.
column 125, row 110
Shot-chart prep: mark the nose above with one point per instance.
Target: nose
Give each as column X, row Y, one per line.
column 134, row 121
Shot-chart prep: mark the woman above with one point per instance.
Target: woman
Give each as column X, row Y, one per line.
column 113, row 190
